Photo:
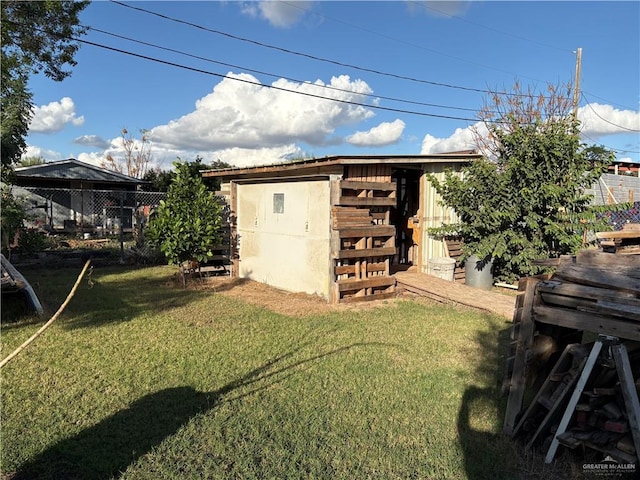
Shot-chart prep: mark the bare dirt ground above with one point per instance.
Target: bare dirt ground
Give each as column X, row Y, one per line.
column 276, row 300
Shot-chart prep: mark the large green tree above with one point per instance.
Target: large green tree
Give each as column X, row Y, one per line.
column 188, row 224
column 36, row 37
column 526, row 200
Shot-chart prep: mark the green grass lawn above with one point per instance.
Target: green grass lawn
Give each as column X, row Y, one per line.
column 142, row 379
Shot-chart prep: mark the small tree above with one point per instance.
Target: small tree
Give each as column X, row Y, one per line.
column 527, row 200
column 187, row 225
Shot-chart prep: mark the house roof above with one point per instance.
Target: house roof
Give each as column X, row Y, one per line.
column 325, row 164
column 73, row 169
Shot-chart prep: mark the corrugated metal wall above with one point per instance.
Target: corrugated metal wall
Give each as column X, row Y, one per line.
column 614, row 188
column 433, row 214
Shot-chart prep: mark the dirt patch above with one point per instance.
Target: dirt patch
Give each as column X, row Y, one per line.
column 277, row 300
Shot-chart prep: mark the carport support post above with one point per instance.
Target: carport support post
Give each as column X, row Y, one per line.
column 122, row 226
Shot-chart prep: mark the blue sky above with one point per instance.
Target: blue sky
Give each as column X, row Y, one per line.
column 227, row 95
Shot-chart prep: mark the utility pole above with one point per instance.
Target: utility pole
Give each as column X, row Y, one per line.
column 576, row 87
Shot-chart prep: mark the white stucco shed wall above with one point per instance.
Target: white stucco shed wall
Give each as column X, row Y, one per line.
column 291, row 249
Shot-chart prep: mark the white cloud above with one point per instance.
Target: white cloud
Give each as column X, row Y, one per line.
column 278, row 14
column 93, row 158
column 598, row 120
column 461, row 139
column 386, row 133
column 54, row 117
column 243, row 157
column 48, row 155
column 92, row 141
column 247, row 115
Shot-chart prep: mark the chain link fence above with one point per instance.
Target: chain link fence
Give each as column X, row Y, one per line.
column 619, row 218
column 88, row 213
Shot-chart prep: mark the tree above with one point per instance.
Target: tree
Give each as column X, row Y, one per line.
column 159, row 180
column 137, row 155
column 36, row 37
column 12, row 216
column 30, row 161
column 527, row 200
column 187, row 225
column 15, row 112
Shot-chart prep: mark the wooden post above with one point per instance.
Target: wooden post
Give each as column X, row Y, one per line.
column 334, row 238
column 526, row 327
column 233, row 230
column 576, row 86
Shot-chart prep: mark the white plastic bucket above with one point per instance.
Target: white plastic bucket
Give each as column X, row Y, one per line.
column 442, row 267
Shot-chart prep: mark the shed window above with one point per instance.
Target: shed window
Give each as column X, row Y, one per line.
column 278, row 203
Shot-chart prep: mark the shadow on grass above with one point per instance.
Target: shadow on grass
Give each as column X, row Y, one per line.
column 487, row 454
column 109, row 447
column 107, row 294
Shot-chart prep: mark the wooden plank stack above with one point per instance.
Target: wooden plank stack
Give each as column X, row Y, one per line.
column 595, row 292
column 625, row 241
column 364, row 239
column 590, row 295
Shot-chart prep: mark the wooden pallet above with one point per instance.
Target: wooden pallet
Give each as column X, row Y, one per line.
column 363, row 239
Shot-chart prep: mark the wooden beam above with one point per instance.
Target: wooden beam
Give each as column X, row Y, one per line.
column 371, row 282
column 356, row 185
column 600, row 277
column 597, row 258
column 233, row 224
column 368, row 231
column 367, row 252
column 334, row 239
column 526, row 328
column 591, row 322
column 368, row 201
column 351, row 269
column 619, row 234
column 586, row 292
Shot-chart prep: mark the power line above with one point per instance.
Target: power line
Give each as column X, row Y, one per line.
column 609, row 101
column 240, row 67
column 604, row 119
column 420, row 47
column 273, row 87
column 312, row 57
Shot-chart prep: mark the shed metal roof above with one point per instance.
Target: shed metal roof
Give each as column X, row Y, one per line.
column 73, row 169
column 319, row 164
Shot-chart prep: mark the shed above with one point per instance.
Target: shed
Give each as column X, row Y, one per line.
column 73, row 193
column 337, row 226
